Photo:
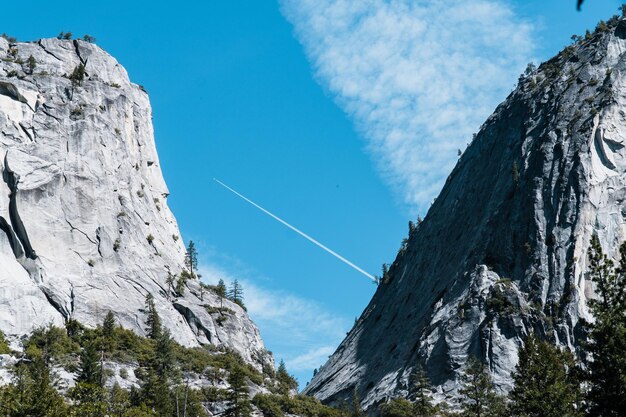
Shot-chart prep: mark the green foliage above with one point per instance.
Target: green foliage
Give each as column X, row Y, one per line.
column 286, row 382
column 32, row 64
column 235, row 293
column 398, row 407
column 32, row 392
column 238, row 396
column 88, row 38
column 50, row 343
column 191, row 258
column 420, row 392
column 547, row 382
column 78, row 75
column 272, row 405
column 607, row 335
column 65, row 35
column 478, row 397
column 90, row 368
column 153, row 321
column 4, row 345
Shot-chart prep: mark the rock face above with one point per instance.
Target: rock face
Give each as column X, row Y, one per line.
column 84, row 222
column 502, row 251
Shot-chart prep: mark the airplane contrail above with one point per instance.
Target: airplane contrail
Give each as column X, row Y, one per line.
column 301, row 233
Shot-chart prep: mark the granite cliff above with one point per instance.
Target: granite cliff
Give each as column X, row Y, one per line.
column 84, row 222
column 502, row 250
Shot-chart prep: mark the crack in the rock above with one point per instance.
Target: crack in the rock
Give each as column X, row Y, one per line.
column 99, row 241
column 32, row 139
column 76, row 49
column 12, row 180
column 80, row 231
column 14, row 242
column 55, row 303
column 48, row 52
column 192, row 320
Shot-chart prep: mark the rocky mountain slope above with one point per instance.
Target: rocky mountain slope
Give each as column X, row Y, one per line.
column 84, row 222
column 502, row 251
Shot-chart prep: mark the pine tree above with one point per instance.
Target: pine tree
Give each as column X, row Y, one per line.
column 191, row 258
column 547, row 382
column 170, row 280
column 235, row 293
column 478, row 397
column 108, row 325
column 398, row 407
column 286, row 382
column 356, row 410
column 90, row 369
column 220, row 289
column 32, row 64
column 238, row 396
column 153, row 321
column 607, row 335
column 420, row 393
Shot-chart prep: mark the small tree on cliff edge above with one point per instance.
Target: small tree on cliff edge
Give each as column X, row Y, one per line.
column 191, row 258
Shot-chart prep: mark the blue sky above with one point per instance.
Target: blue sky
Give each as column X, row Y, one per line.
column 341, row 117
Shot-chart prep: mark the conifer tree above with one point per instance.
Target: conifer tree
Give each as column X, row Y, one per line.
column 238, row 396
column 607, row 335
column 398, row 407
column 547, row 382
column 220, row 289
column 286, row 382
column 153, row 321
column 478, row 397
column 235, row 293
column 191, row 258
column 90, row 366
column 420, row 393
column 108, row 325
column 32, row 64
column 356, row 410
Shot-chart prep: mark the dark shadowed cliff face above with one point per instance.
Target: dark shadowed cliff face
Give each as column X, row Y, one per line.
column 502, row 251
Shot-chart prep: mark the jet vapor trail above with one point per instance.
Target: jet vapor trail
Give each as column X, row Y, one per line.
column 301, row 233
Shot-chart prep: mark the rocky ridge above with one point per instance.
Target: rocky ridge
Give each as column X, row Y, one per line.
column 84, row 222
column 502, row 251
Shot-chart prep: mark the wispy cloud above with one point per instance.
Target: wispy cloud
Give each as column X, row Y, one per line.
column 290, row 325
column 418, row 77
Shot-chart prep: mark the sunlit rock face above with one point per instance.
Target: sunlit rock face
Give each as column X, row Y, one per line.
column 502, row 251
column 84, row 222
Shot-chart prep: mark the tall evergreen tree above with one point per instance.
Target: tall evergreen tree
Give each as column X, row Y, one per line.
column 355, row 405
column 607, row 335
column 90, row 366
column 108, row 325
column 191, row 258
column 478, row 397
column 547, row 382
column 153, row 321
column 420, row 392
column 220, row 288
column 238, row 396
column 235, row 293
column 286, row 382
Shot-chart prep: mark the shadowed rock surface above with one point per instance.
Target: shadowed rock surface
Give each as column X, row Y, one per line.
column 502, row 251
column 82, row 190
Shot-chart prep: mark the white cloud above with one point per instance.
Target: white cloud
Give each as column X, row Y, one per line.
column 418, row 77
column 311, row 359
column 289, row 324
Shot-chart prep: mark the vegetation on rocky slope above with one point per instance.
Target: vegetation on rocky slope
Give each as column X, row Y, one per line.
column 171, row 380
